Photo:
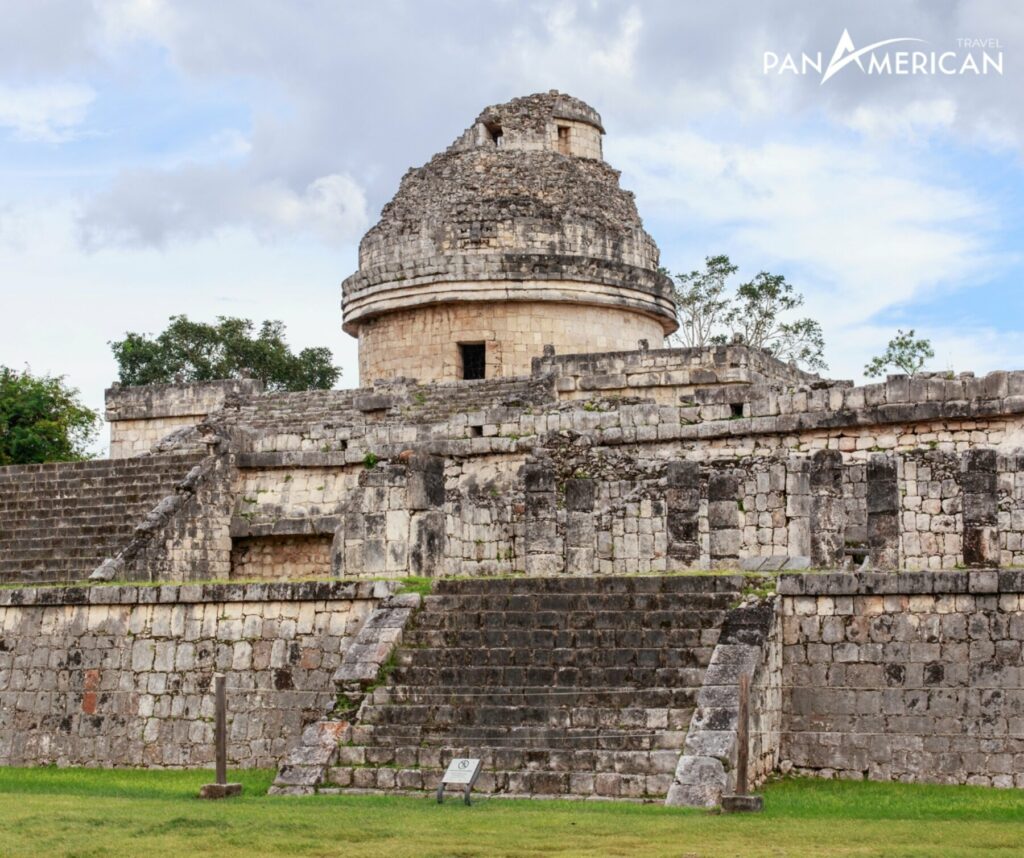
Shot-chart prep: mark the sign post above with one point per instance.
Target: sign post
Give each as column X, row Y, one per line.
column 462, row 771
column 220, row 789
column 741, row 801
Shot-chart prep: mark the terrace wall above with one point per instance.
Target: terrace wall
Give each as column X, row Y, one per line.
column 122, row 675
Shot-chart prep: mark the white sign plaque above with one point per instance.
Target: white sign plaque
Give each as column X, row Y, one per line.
column 461, row 770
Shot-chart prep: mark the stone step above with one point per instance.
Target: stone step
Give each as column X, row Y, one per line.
column 588, row 584
column 580, row 658
column 611, row 619
column 58, row 522
column 531, row 759
column 513, row 784
column 560, row 677
column 60, row 546
column 475, row 639
column 545, row 715
column 518, row 737
column 587, row 601
column 649, row 698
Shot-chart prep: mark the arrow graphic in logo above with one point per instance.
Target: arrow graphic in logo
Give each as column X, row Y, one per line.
column 846, row 53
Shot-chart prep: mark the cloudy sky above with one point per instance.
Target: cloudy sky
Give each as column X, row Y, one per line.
column 161, row 157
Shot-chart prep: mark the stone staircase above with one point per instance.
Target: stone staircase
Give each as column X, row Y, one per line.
column 570, row 687
column 59, row 521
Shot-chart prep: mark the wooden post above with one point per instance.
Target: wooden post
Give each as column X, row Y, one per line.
column 221, row 788
column 221, row 727
column 741, row 801
column 743, row 736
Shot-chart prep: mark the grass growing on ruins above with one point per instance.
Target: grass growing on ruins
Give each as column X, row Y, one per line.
column 416, row 584
column 78, row 812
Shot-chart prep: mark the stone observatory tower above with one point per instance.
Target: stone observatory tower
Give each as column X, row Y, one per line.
column 515, row 237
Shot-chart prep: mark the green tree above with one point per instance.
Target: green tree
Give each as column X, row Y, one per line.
column 196, row 351
column 760, row 311
column 904, row 353
column 42, row 420
column 701, row 302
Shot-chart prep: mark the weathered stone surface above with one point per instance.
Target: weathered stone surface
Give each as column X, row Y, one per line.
column 616, row 462
column 136, row 667
column 902, row 676
column 220, row 790
column 556, row 721
column 749, row 643
column 550, row 224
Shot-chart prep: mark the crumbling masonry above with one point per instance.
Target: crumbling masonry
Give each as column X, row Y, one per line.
column 522, row 437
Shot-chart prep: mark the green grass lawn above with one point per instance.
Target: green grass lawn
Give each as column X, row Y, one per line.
column 79, row 812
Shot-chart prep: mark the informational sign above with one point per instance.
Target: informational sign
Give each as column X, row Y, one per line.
column 462, row 771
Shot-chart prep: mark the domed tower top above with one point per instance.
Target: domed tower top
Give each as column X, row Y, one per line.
column 515, row 237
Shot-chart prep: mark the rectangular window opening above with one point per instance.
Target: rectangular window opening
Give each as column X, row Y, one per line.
column 736, row 409
column 476, row 431
column 474, row 360
column 495, row 131
column 563, row 139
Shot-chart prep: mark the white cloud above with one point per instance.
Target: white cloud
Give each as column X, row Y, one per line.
column 151, row 207
column 976, row 348
column 911, row 121
column 48, row 112
column 126, row 20
column 865, row 229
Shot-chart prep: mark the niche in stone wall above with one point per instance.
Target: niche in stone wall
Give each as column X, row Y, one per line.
column 563, row 139
column 280, row 558
column 494, row 132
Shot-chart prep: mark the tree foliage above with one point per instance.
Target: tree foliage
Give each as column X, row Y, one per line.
column 196, row 351
column 760, row 311
column 701, row 302
column 42, row 420
column 903, row 353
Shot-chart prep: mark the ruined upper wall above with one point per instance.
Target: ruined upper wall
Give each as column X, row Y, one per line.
column 666, row 375
column 143, row 415
column 919, row 472
column 548, row 121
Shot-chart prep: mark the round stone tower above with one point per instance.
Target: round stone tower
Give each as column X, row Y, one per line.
column 515, row 237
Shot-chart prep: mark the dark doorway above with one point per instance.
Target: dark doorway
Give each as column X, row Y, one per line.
column 474, row 360
column 494, row 130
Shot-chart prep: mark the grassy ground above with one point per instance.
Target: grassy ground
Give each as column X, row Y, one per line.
column 76, row 812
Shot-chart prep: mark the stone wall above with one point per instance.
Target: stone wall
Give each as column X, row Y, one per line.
column 122, row 676
column 667, row 376
column 423, row 342
column 531, row 124
column 277, row 558
column 1010, row 509
column 757, row 464
column 908, row 677
column 140, row 417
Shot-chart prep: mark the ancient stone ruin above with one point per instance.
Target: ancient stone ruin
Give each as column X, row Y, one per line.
column 615, row 532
